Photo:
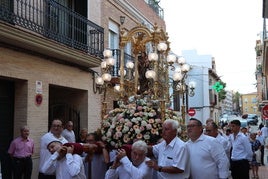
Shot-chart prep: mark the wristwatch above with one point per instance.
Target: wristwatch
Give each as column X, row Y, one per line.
column 160, row 168
column 112, row 167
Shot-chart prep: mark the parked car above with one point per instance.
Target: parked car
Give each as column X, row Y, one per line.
column 243, row 121
column 252, row 119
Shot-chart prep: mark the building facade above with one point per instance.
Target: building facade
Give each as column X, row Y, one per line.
column 203, row 72
column 50, row 53
column 227, row 104
column 262, row 61
column 249, row 103
column 47, row 50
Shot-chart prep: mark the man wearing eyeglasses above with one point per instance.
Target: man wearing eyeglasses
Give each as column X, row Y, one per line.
column 53, row 135
column 207, row 156
column 211, row 129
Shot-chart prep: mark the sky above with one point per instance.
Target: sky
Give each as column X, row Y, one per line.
column 225, row 29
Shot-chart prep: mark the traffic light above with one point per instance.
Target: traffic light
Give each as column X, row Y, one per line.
column 217, row 86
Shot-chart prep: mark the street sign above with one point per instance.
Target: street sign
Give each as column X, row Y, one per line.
column 191, row 112
column 265, row 112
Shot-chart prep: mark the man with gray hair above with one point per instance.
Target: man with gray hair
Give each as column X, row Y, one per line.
column 171, row 154
column 123, row 168
column 21, row 150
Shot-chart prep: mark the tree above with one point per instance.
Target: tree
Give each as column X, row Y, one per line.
column 220, row 88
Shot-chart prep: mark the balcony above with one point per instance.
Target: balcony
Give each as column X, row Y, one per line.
column 117, row 56
column 49, row 28
column 156, row 8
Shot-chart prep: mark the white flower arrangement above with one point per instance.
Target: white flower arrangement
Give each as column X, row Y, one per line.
column 137, row 120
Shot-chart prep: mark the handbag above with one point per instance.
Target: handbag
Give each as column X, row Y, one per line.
column 258, row 155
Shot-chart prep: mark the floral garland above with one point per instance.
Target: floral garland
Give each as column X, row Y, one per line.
column 140, row 119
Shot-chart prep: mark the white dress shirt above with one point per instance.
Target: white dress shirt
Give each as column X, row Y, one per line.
column 68, row 135
column 241, row 147
column 128, row 171
column 44, row 153
column 264, row 131
column 207, row 159
column 69, row 167
column 225, row 143
column 174, row 154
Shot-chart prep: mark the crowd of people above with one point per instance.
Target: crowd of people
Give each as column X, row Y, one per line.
column 209, row 153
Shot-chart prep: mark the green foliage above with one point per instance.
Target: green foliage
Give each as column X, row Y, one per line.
column 222, row 92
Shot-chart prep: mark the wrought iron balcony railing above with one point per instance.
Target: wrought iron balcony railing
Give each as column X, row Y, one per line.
column 157, row 9
column 116, row 67
column 55, row 21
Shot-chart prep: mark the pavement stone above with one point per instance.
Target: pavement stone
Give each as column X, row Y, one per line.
column 263, row 172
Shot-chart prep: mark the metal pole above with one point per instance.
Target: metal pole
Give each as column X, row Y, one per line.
column 183, row 109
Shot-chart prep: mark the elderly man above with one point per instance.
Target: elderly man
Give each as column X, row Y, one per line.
column 54, row 134
column 212, row 130
column 207, row 156
column 123, row 168
column 21, row 150
column 68, row 132
column 171, row 154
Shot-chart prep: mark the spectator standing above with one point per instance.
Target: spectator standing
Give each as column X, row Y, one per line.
column 241, row 152
column 68, row 132
column 265, row 157
column 123, row 168
column 53, row 135
column 261, row 126
column 228, row 132
column 255, row 145
column 244, row 130
column 21, row 150
column 208, row 159
column 260, row 138
column 63, row 162
column 264, row 131
column 82, row 135
column 171, row 154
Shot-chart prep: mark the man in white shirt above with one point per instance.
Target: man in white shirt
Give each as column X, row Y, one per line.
column 241, row 152
column 53, row 135
column 212, row 130
column 208, row 159
column 264, row 131
column 123, row 168
column 68, row 132
column 171, row 154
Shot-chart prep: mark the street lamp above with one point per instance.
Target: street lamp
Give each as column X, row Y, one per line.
column 180, row 85
column 103, row 81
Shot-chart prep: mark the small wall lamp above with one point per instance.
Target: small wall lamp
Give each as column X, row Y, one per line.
column 122, row 20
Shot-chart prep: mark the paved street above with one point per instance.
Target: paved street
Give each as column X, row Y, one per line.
column 263, row 172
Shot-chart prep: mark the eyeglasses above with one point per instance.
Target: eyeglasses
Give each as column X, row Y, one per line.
column 207, row 130
column 57, row 126
column 191, row 126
